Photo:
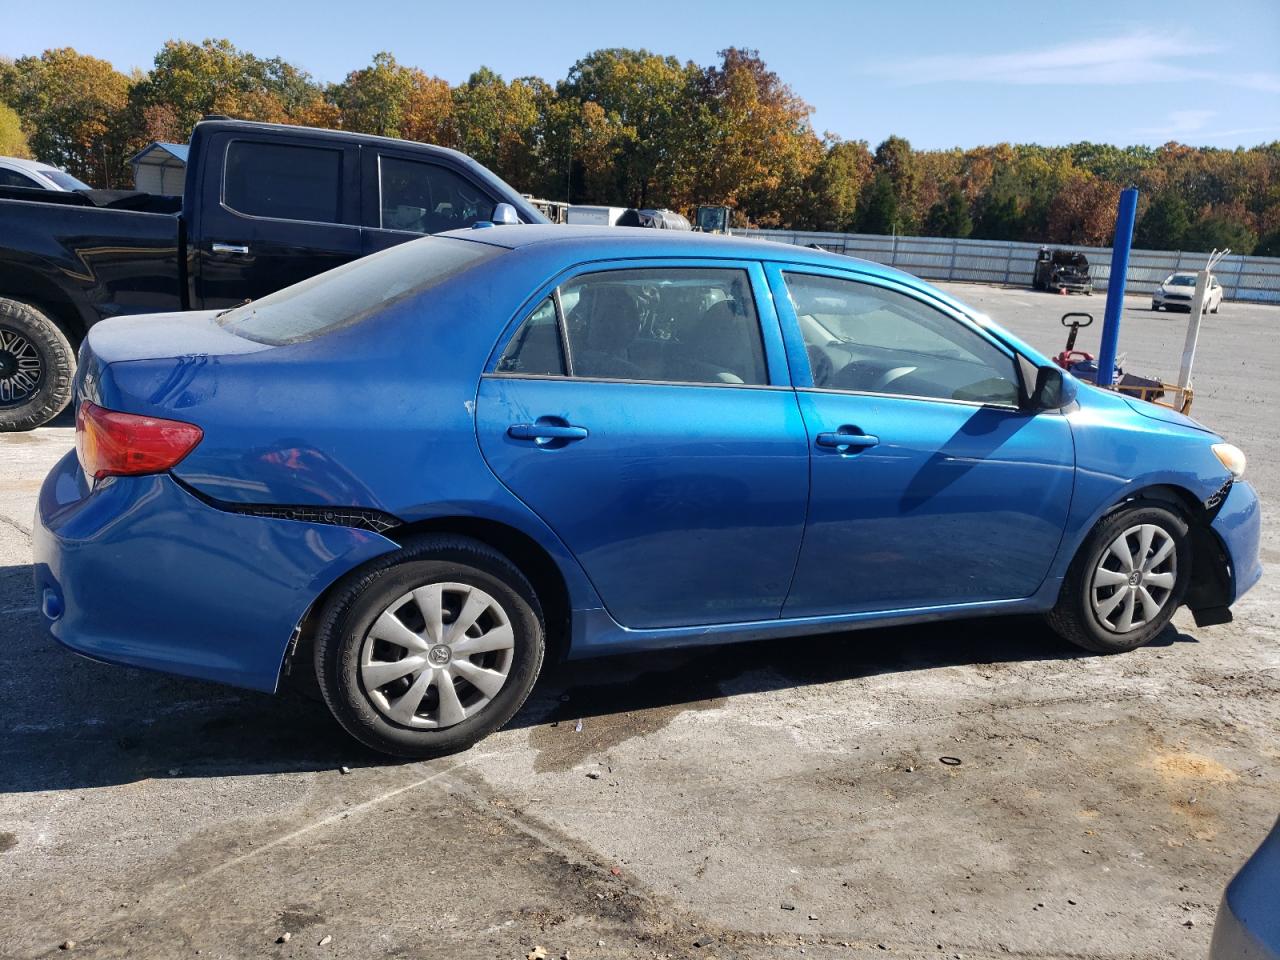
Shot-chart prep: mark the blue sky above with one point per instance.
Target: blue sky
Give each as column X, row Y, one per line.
column 939, row 73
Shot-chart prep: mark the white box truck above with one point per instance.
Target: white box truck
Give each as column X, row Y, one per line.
column 595, row 216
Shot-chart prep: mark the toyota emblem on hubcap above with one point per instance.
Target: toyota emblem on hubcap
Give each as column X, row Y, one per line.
column 439, row 655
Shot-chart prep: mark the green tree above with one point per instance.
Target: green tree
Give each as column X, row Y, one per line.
column 832, row 189
column 878, row 211
column 896, row 160
column 645, row 105
column 1219, row 232
column 751, row 140
column 73, row 109
column 189, row 80
column 1165, row 224
column 1268, row 246
column 950, row 217
column 13, row 142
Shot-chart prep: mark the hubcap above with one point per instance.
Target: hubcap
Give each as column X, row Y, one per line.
column 437, row 655
column 1134, row 578
column 21, row 368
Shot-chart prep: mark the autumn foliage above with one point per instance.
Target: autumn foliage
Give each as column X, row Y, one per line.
column 633, row 128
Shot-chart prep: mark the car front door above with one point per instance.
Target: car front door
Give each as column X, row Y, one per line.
column 275, row 211
column 929, row 485
column 643, row 410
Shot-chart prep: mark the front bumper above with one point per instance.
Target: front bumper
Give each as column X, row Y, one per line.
column 140, row 572
column 1239, row 527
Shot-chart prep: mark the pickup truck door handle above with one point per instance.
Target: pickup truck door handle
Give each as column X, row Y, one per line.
column 237, row 248
column 845, row 438
column 543, row 432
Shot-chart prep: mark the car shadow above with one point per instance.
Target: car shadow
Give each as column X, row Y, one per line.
column 67, row 722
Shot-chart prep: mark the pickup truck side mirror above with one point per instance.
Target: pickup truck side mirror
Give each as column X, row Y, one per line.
column 505, row 213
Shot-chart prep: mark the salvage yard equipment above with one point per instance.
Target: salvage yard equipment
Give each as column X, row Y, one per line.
column 1062, row 271
column 1084, row 365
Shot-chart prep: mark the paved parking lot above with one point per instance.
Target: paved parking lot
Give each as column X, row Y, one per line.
column 764, row 800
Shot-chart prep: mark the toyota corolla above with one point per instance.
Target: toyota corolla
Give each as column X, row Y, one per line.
column 422, row 473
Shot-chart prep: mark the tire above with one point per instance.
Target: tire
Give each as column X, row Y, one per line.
column 37, row 366
column 349, row 659
column 1097, row 626
column 1155, row 307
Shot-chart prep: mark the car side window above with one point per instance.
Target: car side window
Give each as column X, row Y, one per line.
column 868, row 339
column 535, row 350
column 11, row 178
column 427, row 198
column 283, row 181
column 671, row 324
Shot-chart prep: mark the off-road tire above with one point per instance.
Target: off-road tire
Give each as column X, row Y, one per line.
column 357, row 601
column 1074, row 619
column 58, row 367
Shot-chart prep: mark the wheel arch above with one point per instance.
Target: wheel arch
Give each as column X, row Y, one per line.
column 40, row 293
column 1210, row 584
column 529, row 557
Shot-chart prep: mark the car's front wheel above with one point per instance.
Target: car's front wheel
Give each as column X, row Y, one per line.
column 431, row 648
column 1126, row 581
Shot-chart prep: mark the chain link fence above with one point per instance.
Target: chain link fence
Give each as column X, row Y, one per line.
column 1255, row 279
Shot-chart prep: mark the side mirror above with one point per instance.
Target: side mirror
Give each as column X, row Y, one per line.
column 505, row 213
column 1051, row 389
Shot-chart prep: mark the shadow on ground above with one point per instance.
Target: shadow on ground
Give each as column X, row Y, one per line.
column 68, row 722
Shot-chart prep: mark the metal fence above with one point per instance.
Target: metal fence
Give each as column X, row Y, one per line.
column 1000, row 261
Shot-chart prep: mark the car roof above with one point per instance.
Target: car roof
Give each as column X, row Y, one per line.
column 623, row 242
column 34, row 165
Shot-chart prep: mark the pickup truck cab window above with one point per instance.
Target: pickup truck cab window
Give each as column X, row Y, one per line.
column 284, row 181
column 865, row 338
column 427, row 197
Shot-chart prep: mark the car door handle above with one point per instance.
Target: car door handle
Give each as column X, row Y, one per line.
column 237, row 248
column 858, row 441
column 546, row 431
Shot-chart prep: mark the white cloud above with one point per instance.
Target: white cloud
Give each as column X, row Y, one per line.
column 1140, row 56
column 1180, row 123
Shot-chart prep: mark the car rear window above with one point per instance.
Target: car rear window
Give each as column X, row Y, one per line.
column 354, row 291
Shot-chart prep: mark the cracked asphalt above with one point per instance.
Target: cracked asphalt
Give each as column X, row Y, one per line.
column 766, row 800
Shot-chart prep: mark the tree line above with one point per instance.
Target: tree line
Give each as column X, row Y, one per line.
column 634, row 128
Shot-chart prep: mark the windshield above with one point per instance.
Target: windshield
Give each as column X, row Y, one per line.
column 65, row 180
column 1182, row 280
column 354, row 291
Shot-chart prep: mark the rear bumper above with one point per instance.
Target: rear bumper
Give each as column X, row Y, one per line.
column 139, row 572
column 1239, row 527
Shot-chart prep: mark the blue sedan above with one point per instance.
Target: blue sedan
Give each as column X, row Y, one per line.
column 428, row 470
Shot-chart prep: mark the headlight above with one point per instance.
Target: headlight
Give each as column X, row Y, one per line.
column 1231, row 457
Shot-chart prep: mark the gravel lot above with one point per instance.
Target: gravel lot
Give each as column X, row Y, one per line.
column 766, row 800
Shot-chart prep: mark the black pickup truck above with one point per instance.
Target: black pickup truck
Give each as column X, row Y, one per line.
column 264, row 206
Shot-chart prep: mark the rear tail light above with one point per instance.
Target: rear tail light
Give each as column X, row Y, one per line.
column 110, row 443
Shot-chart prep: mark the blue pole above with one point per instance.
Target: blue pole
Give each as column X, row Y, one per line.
column 1115, row 286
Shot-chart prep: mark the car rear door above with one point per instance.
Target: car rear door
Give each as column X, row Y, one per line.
column 275, row 208
column 929, row 485
column 643, row 410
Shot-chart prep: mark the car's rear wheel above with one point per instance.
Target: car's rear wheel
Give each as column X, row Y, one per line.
column 430, row 649
column 1126, row 581
column 37, row 365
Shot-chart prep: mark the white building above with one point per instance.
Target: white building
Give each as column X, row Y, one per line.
column 161, row 168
